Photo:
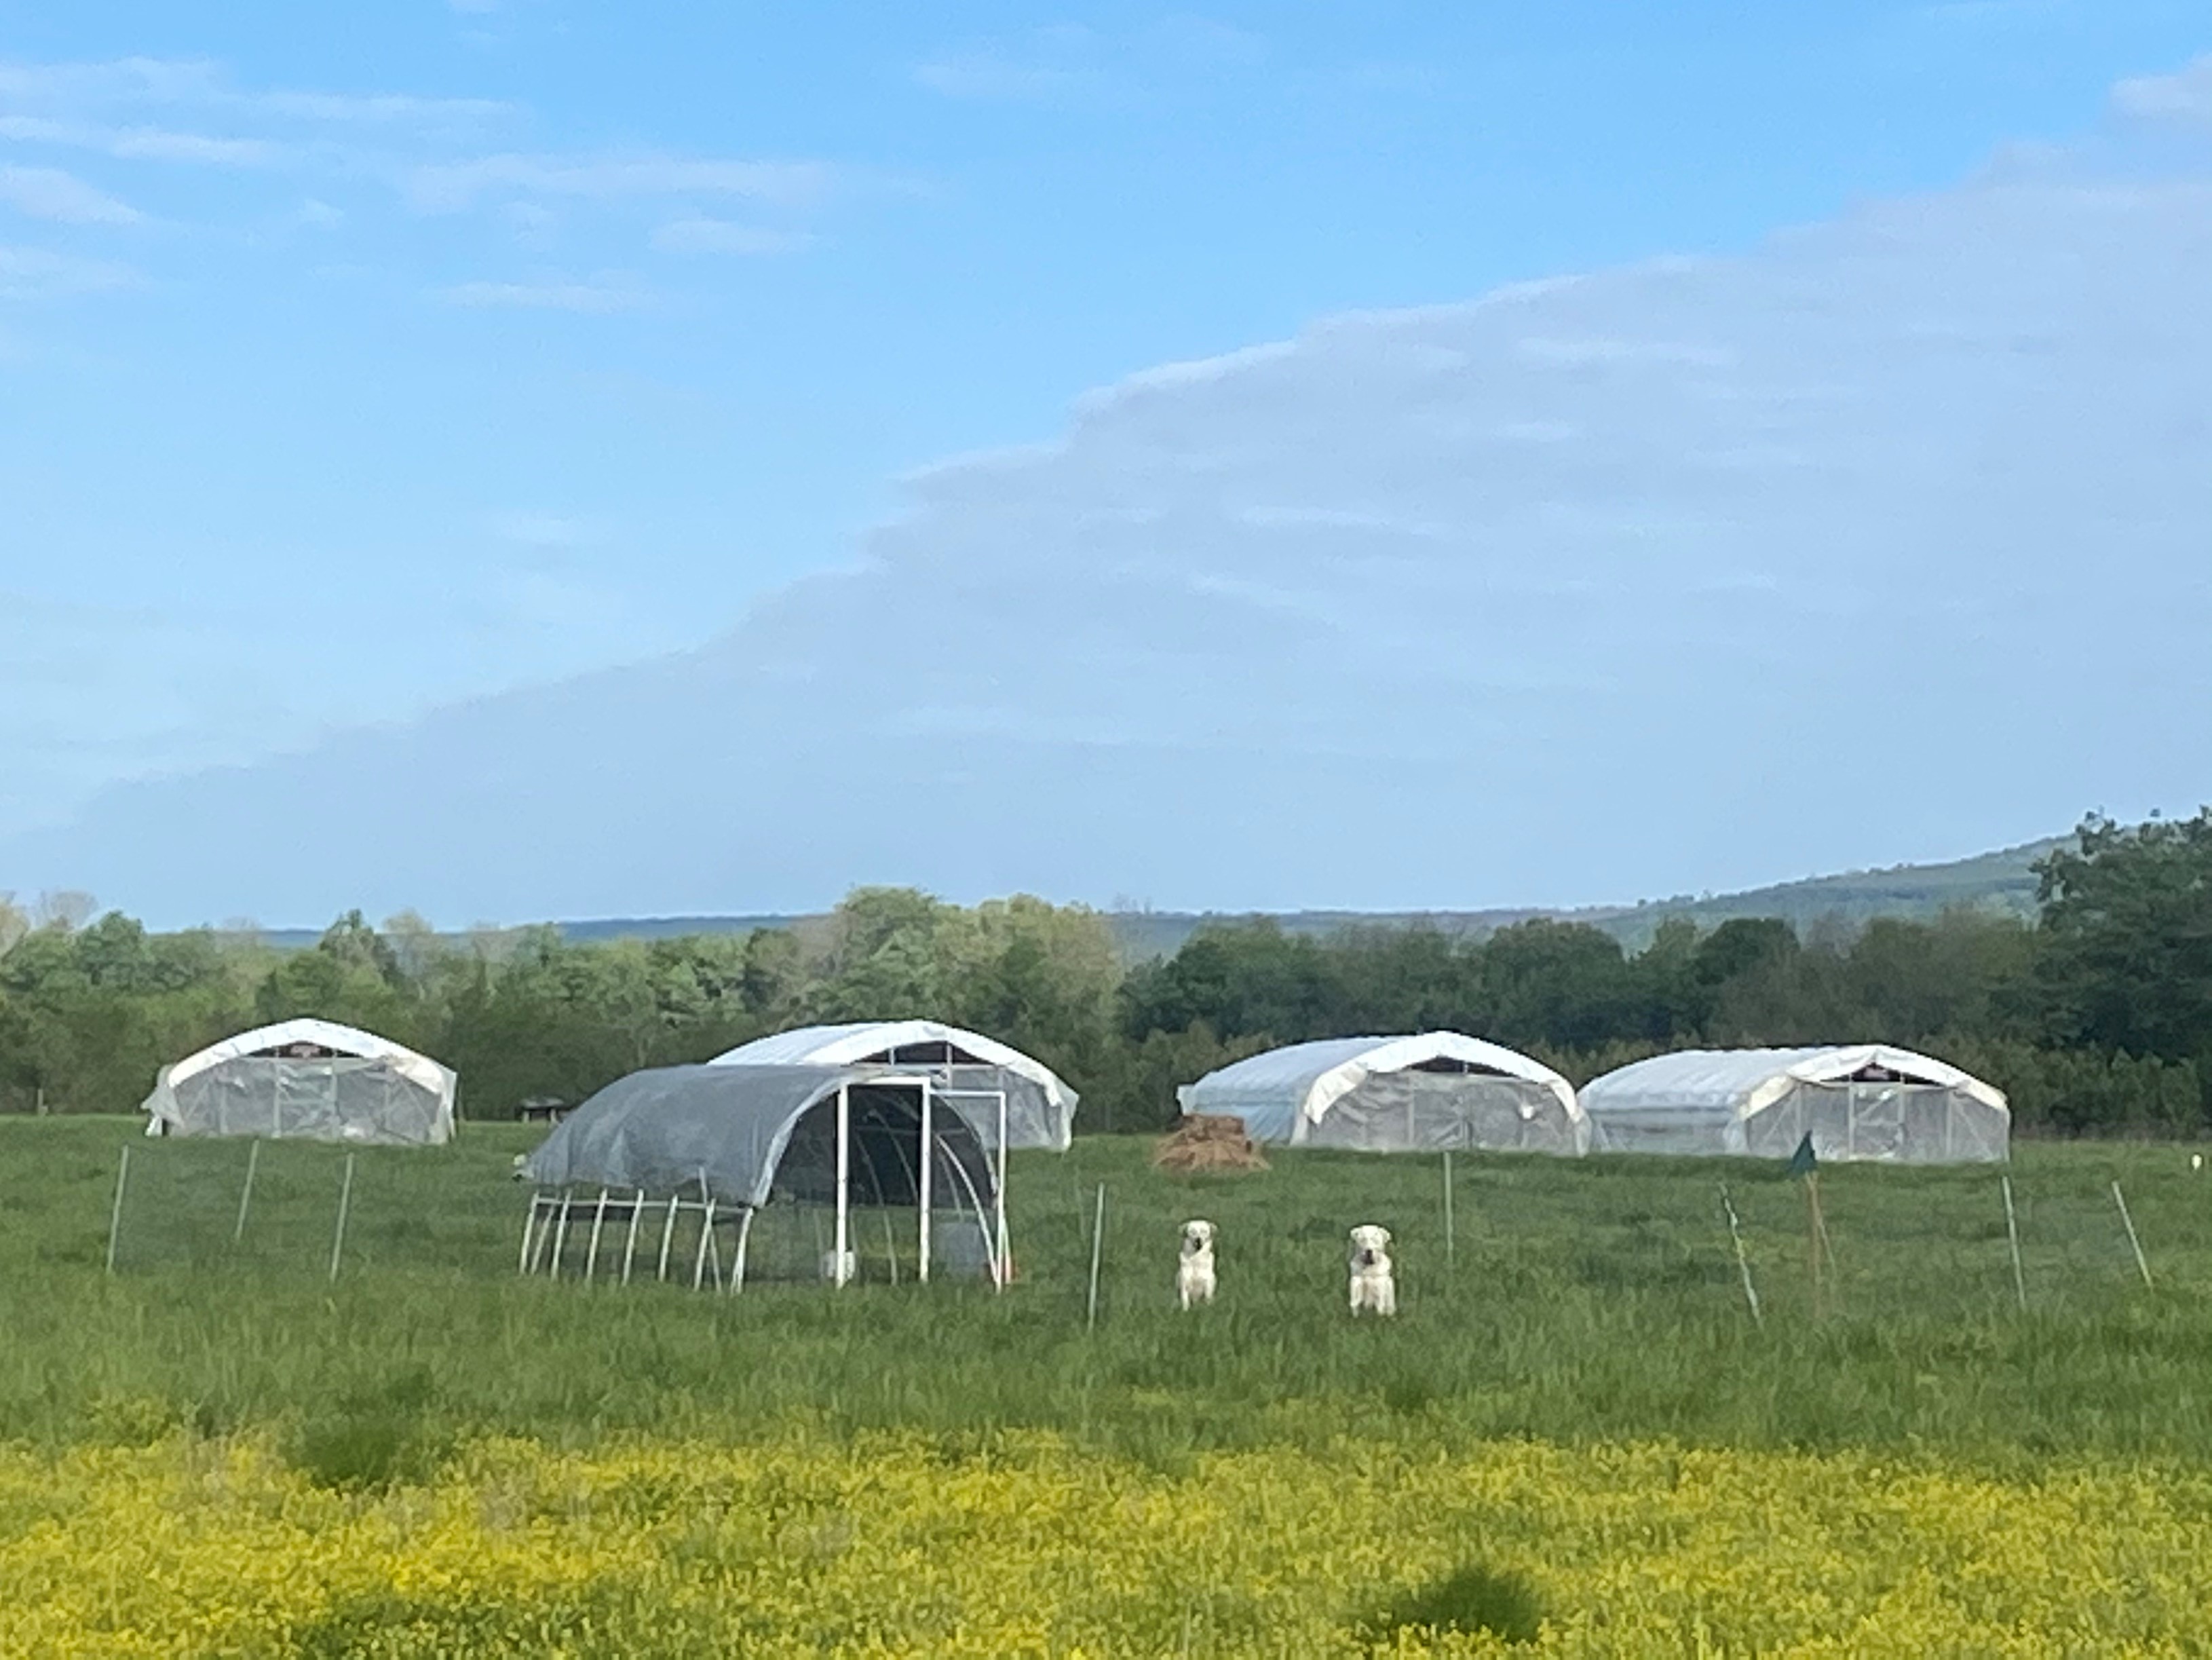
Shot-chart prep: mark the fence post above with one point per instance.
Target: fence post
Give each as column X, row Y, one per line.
column 1451, row 1250
column 2012, row 1233
column 2135, row 1244
column 1098, row 1244
column 245, row 1192
column 115, row 1215
column 345, row 1202
column 1742, row 1262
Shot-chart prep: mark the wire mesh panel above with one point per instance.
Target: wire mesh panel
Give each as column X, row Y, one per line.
column 289, row 1208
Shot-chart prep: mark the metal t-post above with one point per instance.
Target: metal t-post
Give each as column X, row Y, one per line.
column 345, row 1202
column 1452, row 1249
column 245, row 1193
column 2012, row 1233
column 839, row 1244
column 1097, row 1243
column 998, row 1197
column 115, row 1214
column 928, row 1165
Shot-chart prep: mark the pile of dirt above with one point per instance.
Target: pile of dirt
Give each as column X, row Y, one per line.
column 1208, row 1141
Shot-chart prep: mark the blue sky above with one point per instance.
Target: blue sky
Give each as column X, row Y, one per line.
column 361, row 364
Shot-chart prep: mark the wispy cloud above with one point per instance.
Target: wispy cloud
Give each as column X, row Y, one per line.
column 379, row 108
column 143, row 144
column 1068, row 63
column 595, row 296
column 154, row 144
column 1042, row 66
column 40, row 274
column 700, row 235
column 49, row 193
column 2182, row 98
column 447, row 186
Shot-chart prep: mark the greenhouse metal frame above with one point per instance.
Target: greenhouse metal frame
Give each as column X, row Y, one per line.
column 1040, row 1105
column 694, row 1149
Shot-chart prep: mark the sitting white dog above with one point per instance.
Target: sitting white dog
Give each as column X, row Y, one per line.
column 1373, row 1288
column 1195, row 1277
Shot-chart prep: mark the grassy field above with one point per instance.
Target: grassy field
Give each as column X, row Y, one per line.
column 1574, row 1438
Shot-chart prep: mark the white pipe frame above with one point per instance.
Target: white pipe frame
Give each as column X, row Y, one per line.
column 844, row 1181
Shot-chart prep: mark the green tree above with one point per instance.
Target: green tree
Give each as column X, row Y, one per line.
column 2126, row 937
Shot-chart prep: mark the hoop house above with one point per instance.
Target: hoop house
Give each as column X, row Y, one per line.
column 966, row 1067
column 306, row 1079
column 774, row 1166
column 1437, row 1090
column 1862, row 1102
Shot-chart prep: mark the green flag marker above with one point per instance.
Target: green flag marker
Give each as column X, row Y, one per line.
column 1802, row 1162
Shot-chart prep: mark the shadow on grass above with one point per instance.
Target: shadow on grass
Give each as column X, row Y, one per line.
column 1472, row 1599
column 377, row 1435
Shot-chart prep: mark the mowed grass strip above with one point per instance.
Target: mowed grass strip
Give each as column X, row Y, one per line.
column 1590, row 1301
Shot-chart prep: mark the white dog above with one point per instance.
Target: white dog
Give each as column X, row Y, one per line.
column 1373, row 1289
column 1195, row 1280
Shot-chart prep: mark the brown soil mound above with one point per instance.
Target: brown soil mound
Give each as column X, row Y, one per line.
column 1208, row 1141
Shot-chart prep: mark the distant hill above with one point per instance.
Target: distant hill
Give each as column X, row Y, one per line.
column 2002, row 882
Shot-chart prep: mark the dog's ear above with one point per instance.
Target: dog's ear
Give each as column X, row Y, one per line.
column 1385, row 1232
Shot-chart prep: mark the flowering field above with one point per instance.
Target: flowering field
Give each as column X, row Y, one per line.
column 1575, row 1439
column 897, row 1544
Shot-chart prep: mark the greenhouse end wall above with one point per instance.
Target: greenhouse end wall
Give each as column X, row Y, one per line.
column 1433, row 1112
column 341, row 1099
column 1882, row 1123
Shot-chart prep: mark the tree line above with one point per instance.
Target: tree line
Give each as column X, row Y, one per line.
column 2096, row 1017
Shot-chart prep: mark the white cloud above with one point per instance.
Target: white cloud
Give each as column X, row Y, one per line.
column 319, row 214
column 379, row 109
column 598, row 296
column 83, row 89
column 2183, row 98
column 702, row 235
column 1680, row 574
column 49, row 193
column 142, row 143
column 155, row 144
column 1069, row 63
column 1041, row 66
column 39, row 274
column 446, row 186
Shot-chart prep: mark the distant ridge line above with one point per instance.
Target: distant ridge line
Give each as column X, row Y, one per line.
column 2003, row 882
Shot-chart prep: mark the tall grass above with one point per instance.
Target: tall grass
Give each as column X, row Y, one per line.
column 1588, row 1300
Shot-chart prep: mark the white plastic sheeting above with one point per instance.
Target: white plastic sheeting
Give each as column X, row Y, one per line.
column 1864, row 1101
column 1427, row 1092
column 968, row 1067
column 367, row 1088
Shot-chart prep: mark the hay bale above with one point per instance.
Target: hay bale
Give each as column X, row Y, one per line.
column 1208, row 1141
